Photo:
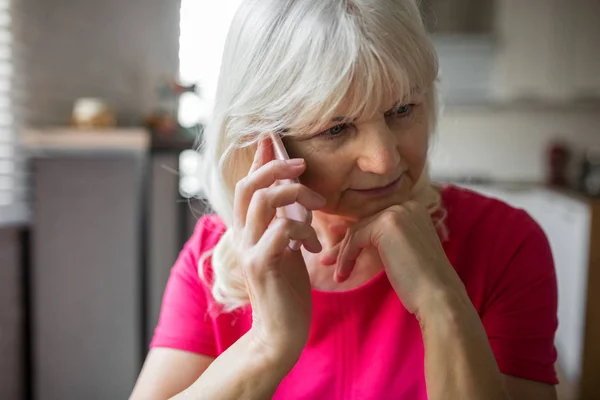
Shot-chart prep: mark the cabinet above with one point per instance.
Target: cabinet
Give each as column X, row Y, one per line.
column 458, row 17
column 585, row 47
column 87, row 278
column 567, row 225
column 549, row 50
column 108, row 225
column 12, row 315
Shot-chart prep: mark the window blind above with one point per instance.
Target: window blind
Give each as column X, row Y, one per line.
column 13, row 179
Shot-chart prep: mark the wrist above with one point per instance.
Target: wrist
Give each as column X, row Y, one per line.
column 444, row 306
column 273, row 354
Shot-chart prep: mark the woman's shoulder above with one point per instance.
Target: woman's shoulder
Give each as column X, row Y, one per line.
column 208, row 231
column 471, row 210
column 481, row 226
column 495, row 246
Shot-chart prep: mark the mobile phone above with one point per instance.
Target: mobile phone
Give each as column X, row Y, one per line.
column 294, row 211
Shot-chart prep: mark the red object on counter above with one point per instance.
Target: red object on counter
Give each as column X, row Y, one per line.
column 558, row 159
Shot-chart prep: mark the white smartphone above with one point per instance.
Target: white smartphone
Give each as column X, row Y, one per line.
column 294, row 211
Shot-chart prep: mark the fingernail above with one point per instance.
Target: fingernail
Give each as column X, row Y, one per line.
column 338, row 278
column 295, row 161
column 319, row 246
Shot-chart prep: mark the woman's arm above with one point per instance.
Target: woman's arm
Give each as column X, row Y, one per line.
column 167, row 372
column 459, row 362
column 245, row 370
column 276, row 279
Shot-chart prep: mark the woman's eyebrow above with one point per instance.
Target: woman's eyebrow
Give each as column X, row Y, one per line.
column 343, row 119
column 397, row 104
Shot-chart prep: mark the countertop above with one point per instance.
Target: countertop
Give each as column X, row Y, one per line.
column 69, row 140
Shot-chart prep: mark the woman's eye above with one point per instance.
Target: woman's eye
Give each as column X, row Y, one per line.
column 334, row 131
column 400, row 111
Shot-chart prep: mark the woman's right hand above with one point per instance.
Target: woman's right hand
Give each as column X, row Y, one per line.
column 276, row 277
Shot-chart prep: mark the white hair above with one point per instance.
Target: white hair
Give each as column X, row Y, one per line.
column 289, row 65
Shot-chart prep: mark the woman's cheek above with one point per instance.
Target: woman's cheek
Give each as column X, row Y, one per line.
column 416, row 143
column 315, row 177
column 322, row 178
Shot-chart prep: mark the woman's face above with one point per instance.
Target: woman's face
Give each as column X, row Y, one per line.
column 365, row 166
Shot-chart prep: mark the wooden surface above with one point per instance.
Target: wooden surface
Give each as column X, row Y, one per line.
column 78, row 140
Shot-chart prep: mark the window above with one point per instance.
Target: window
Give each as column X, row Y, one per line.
column 203, row 29
column 13, row 201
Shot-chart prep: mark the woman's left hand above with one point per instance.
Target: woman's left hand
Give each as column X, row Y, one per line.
column 410, row 249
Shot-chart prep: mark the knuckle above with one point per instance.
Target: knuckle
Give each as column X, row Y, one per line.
column 284, row 225
column 271, row 174
column 250, row 264
column 391, row 217
column 287, row 227
column 299, row 188
column 241, row 185
column 412, row 205
column 275, row 164
column 271, row 168
column 291, row 191
column 397, row 209
column 261, row 196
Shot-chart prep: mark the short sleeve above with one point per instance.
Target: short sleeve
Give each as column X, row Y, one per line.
column 184, row 322
column 520, row 317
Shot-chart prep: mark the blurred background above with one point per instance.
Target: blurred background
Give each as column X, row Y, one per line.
column 101, row 103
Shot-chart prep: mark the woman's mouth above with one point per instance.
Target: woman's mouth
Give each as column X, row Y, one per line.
column 378, row 191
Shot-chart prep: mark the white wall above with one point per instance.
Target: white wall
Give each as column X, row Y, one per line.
column 113, row 49
column 547, row 50
column 508, row 144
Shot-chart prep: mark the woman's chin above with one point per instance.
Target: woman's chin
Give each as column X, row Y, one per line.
column 356, row 208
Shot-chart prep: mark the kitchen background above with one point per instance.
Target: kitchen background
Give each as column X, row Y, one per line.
column 101, row 102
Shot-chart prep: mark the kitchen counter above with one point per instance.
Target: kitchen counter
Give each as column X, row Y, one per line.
column 70, row 140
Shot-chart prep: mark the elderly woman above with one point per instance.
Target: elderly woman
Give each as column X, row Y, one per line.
column 401, row 288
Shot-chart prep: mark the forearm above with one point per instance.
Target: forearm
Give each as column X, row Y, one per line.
column 244, row 371
column 459, row 363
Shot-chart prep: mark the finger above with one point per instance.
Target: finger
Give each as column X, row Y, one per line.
column 238, row 211
column 264, row 204
column 339, row 228
column 265, row 176
column 329, row 257
column 277, row 238
column 312, row 243
column 258, row 156
column 351, row 247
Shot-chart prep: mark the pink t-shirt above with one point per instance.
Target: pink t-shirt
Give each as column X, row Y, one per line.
column 363, row 343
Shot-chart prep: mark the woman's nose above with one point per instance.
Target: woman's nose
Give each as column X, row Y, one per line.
column 378, row 150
